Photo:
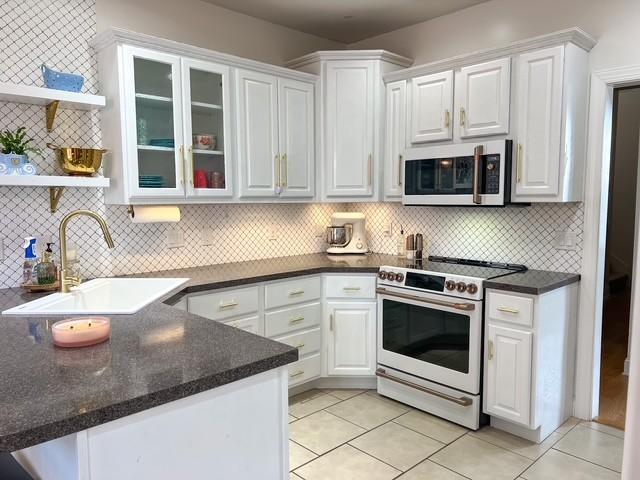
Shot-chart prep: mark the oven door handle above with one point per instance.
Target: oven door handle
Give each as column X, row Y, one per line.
column 467, row 307
column 462, row 401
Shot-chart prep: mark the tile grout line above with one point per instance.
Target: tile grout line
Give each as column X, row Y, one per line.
column 600, row 431
column 585, row 460
column 376, row 458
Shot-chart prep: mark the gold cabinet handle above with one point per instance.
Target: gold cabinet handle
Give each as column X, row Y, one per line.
column 370, row 169
column 447, row 119
column 399, row 170
column 285, row 171
column 463, row 117
column 295, row 293
column 276, row 160
column 297, row 374
column 300, row 346
column 183, row 162
column 331, row 322
column 508, row 310
column 293, row 321
column 491, row 350
column 193, row 165
column 231, row 304
column 519, row 163
column 351, row 289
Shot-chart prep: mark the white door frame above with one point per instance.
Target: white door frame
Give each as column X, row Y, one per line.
column 595, row 211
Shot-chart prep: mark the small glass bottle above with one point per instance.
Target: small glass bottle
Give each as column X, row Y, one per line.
column 45, row 271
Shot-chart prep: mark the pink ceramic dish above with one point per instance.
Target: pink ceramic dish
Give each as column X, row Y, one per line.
column 81, row 332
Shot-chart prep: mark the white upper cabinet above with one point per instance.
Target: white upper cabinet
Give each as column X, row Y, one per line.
column 395, row 138
column 482, row 98
column 155, row 149
column 276, row 141
column 257, row 133
column 431, row 107
column 551, row 99
column 296, row 121
column 349, row 127
column 207, row 129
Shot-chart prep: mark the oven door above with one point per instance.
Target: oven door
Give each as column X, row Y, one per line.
column 462, row 174
column 431, row 336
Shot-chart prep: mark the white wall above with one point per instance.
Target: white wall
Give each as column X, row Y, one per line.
column 209, row 26
column 615, row 23
column 620, row 238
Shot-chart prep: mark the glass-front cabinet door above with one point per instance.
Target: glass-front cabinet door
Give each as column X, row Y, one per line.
column 156, row 150
column 206, row 103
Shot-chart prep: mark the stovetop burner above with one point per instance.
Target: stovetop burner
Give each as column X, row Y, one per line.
column 464, row 267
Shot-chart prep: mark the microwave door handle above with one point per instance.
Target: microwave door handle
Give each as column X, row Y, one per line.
column 478, row 151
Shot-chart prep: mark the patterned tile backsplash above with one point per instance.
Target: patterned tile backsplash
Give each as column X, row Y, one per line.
column 57, row 32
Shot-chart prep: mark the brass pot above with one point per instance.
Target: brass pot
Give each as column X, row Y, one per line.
column 78, row 161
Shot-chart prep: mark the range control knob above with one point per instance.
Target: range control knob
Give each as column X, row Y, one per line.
column 461, row 287
column 382, row 275
column 450, row 285
column 399, row 277
column 472, row 288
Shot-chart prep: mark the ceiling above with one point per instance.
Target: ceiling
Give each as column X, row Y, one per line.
column 345, row 21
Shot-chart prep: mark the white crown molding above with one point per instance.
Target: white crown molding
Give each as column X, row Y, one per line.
column 574, row 35
column 118, row 36
column 383, row 55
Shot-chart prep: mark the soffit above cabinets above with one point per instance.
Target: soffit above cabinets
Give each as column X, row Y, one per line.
column 573, row 35
column 345, row 22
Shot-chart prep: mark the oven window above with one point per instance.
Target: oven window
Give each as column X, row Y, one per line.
column 428, row 334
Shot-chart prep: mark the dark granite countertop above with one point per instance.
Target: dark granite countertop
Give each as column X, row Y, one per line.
column 159, row 354
column 534, row 282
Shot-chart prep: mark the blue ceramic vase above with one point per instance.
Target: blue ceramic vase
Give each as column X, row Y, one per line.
column 12, row 164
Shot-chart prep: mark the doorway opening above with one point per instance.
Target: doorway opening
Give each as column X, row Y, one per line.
column 619, row 257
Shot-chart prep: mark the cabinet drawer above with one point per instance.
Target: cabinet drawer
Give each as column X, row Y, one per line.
column 298, row 290
column 290, row 319
column 510, row 308
column 221, row 305
column 304, row 370
column 306, row 342
column 350, row 287
column 250, row 324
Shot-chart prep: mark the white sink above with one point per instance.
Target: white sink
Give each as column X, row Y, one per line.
column 102, row 296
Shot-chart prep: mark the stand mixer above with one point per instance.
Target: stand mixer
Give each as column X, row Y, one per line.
column 347, row 234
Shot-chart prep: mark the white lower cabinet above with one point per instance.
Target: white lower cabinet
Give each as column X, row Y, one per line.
column 250, row 324
column 509, row 373
column 529, row 360
column 351, row 341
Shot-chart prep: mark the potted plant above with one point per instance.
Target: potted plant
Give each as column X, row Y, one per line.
column 15, row 147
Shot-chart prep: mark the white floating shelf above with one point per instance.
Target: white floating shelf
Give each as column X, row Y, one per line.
column 11, row 92
column 52, row 181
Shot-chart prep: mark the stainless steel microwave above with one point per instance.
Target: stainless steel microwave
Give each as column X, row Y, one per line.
column 471, row 174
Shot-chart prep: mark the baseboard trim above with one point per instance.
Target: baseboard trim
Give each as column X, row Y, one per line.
column 366, row 383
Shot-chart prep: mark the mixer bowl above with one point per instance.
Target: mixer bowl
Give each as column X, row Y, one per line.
column 339, row 236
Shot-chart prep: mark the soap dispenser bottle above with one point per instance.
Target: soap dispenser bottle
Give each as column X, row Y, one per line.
column 30, row 260
column 46, row 269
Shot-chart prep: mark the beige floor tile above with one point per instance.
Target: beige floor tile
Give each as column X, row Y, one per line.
column 347, row 463
column 310, row 402
column 321, row 432
column 367, row 410
column 396, row 445
column 517, row 445
column 434, row 427
column 593, row 446
column 604, row 428
column 298, row 455
column 428, row 470
column 342, row 394
column 557, row 465
column 292, row 418
column 567, row 426
column 293, row 476
column 479, row 460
